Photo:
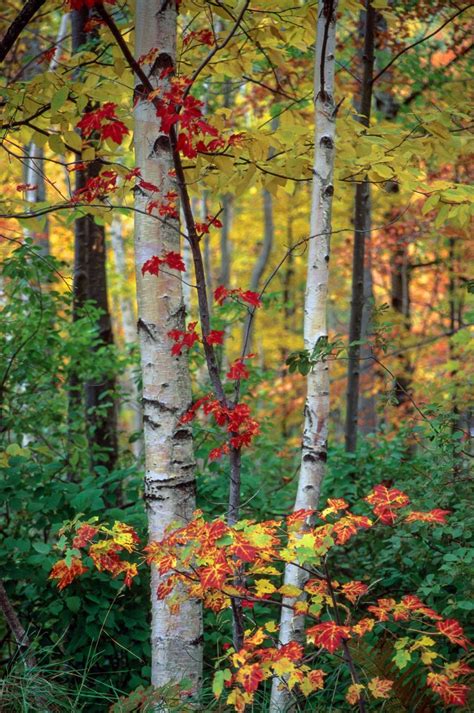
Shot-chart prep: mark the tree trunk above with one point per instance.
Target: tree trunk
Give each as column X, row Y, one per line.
column 90, row 284
column 400, row 301
column 362, row 227
column 260, row 265
column 169, row 479
column 314, row 446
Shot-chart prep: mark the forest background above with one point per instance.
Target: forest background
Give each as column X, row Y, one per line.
column 214, row 123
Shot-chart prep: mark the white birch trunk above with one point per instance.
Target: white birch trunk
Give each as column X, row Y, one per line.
column 314, row 446
column 169, row 479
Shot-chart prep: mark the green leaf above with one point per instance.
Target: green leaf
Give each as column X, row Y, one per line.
column 42, row 547
column 59, row 98
column 402, row 658
column 73, row 604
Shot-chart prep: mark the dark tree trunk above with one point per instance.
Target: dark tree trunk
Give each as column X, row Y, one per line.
column 400, row 300
column 362, row 226
column 90, row 286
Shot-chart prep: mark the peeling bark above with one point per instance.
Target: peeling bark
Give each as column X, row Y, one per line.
column 315, row 433
column 169, row 480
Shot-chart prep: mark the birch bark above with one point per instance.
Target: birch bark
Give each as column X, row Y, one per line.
column 169, row 478
column 314, row 446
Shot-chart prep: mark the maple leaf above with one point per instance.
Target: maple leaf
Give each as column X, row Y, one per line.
column 297, row 518
column 382, row 609
column 457, row 668
column 215, row 336
column 437, row 516
column 333, row 506
column 115, row 130
column 453, row 631
column 385, row 501
column 314, row 681
column 252, row 298
column 152, row 265
column 249, row 677
column 363, row 626
column 124, row 535
column 347, row 526
column 329, row 635
column 238, row 370
column 174, row 261
column 292, row 650
column 353, row 590
column 353, row 693
column 84, row 535
column 147, row 186
column 166, row 587
column 380, row 687
column 66, row 574
column 264, row 586
column 215, row 575
column 220, row 294
column 452, row 694
column 244, row 551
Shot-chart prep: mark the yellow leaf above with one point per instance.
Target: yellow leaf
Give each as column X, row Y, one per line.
column 264, row 586
column 289, row 590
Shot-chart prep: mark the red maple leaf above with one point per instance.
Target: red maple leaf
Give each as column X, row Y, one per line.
column 115, row 130
column 353, row 590
column 84, row 535
column 452, row 694
column 385, row 501
column 238, row 370
column 215, row 575
column 436, row 515
column 250, row 676
column 220, row 294
column 66, row 574
column 252, row 298
column 215, row 336
column 453, row 631
column 152, row 265
column 329, row 635
column 174, row 261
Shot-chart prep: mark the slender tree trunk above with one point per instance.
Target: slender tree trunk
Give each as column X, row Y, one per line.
column 226, row 219
column 400, row 301
column 262, row 260
column 314, row 446
column 90, row 284
column 170, row 479
column 362, row 227
column 454, row 324
column 17, row 630
column 129, row 325
column 35, row 169
column 224, row 276
column 207, row 251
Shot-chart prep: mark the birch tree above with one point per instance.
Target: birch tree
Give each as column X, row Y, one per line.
column 169, row 461
column 316, row 413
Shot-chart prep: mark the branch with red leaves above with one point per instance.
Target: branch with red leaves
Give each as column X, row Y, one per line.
column 221, row 564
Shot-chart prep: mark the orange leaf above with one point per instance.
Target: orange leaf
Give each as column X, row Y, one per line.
column 329, row 635
column 380, row 687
